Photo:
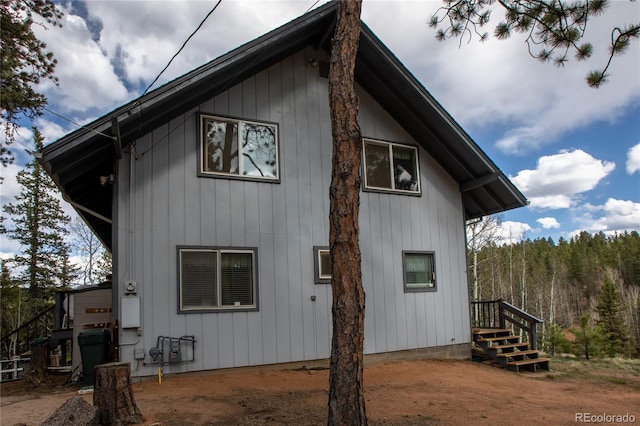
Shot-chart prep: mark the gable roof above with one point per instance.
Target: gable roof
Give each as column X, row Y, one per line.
column 78, row 160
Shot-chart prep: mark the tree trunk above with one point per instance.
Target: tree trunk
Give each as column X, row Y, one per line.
column 39, row 361
column 113, row 395
column 346, row 400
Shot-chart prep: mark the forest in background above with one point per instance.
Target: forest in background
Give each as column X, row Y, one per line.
column 588, row 285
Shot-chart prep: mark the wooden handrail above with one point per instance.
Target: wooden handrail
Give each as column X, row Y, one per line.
column 517, row 311
column 495, row 314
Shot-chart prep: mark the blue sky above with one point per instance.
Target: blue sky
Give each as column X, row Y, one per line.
column 573, row 151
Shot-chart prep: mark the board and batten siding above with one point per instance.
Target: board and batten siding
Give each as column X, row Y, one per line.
column 162, row 204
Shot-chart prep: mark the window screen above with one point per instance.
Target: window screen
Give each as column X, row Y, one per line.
column 216, row 279
column 419, row 271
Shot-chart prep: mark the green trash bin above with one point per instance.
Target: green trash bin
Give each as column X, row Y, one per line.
column 94, row 350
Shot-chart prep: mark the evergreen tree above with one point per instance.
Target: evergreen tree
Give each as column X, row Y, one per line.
column 589, row 338
column 555, row 340
column 25, row 63
column 39, row 225
column 610, row 312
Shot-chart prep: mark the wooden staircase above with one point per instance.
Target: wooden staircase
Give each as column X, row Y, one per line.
column 501, row 347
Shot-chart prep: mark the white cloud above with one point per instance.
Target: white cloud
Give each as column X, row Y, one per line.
column 633, row 159
column 620, row 215
column 558, row 179
column 141, row 37
column 10, row 187
column 50, row 131
column 512, row 232
column 612, row 216
column 109, row 52
column 548, row 222
column 87, row 78
column 8, row 248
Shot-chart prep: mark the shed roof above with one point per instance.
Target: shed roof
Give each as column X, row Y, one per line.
column 78, row 160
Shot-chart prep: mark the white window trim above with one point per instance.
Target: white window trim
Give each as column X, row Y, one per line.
column 219, row 250
column 317, row 276
column 415, row 289
column 238, row 121
column 390, row 145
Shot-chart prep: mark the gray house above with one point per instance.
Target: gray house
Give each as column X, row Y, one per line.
column 212, row 194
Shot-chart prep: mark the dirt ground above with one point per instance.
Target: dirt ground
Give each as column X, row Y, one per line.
column 396, row 393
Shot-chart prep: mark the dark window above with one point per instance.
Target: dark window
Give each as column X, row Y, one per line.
column 391, row 167
column 216, row 279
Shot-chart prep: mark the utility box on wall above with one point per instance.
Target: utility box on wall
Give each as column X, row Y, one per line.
column 130, row 311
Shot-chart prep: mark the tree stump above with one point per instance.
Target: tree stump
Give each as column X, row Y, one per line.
column 39, row 361
column 113, row 395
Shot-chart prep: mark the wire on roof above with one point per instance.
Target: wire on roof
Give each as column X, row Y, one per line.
column 182, row 47
column 312, row 6
column 77, row 124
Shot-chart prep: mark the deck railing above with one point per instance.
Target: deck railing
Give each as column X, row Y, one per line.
column 13, row 369
column 496, row 314
column 38, row 326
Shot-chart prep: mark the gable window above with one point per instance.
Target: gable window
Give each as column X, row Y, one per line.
column 322, row 265
column 212, row 279
column 391, row 167
column 419, row 271
column 238, row 148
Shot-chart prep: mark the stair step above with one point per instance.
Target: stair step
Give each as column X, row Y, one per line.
column 527, row 362
column 509, row 345
column 483, row 331
column 498, row 338
column 530, row 364
column 518, row 353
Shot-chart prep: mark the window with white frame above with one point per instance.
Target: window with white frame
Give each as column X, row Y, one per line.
column 322, row 265
column 391, row 167
column 215, row 279
column 419, row 271
column 238, row 148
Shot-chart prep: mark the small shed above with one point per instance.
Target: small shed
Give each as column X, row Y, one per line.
column 78, row 310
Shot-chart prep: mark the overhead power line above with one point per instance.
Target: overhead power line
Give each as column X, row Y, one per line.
column 182, row 47
column 76, row 124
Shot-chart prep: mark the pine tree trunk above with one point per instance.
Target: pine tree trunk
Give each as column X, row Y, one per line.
column 113, row 395
column 346, row 400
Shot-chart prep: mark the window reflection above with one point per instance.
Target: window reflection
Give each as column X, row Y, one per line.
column 258, row 153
